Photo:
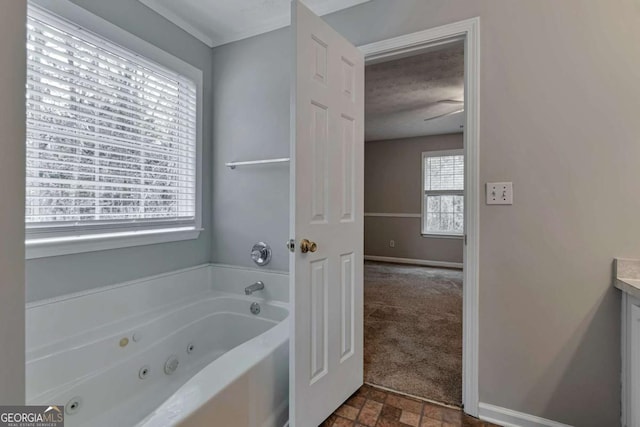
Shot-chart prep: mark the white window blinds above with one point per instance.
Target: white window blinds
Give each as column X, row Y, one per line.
column 444, row 173
column 111, row 136
column 443, row 203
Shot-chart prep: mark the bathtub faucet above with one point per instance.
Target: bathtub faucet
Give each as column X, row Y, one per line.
column 259, row 285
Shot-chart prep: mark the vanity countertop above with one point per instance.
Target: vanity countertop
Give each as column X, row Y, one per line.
column 627, row 276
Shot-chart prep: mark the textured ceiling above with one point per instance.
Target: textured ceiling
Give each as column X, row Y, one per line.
column 216, row 22
column 400, row 94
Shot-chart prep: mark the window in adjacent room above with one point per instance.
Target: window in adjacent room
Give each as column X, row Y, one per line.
column 443, row 196
column 111, row 137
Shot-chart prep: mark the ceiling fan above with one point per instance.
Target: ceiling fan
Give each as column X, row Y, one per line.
column 447, row 101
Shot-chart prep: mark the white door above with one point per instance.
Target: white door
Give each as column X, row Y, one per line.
column 327, row 174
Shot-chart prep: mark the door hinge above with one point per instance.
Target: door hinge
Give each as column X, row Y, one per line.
column 465, row 239
column 291, row 245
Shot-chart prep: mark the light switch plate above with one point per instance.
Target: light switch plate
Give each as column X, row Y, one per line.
column 499, row 193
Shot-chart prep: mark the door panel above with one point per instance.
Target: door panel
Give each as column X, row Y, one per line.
column 347, row 310
column 320, row 183
column 327, row 172
column 348, row 168
column 319, row 320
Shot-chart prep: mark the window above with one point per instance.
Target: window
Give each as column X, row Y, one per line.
column 443, row 198
column 111, row 137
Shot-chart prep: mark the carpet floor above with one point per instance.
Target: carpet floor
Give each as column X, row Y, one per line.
column 413, row 330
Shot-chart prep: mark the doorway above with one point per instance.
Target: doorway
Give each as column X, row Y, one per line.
column 412, row 44
column 414, row 223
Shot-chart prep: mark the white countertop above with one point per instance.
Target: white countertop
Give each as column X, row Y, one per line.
column 630, row 286
column 627, row 276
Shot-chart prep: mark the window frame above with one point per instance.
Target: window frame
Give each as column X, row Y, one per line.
column 424, row 193
column 63, row 240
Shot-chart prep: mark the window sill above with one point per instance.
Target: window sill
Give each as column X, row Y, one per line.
column 50, row 247
column 442, row 236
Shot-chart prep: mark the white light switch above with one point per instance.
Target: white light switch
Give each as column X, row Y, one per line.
column 499, row 193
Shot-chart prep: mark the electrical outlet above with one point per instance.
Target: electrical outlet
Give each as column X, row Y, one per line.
column 392, row 243
column 499, row 193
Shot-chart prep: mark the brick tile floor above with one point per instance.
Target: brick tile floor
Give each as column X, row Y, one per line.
column 374, row 407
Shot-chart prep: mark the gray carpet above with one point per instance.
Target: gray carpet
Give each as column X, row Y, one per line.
column 413, row 330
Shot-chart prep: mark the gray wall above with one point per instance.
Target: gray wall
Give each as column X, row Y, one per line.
column 559, row 100
column 251, row 121
column 393, row 184
column 48, row 277
column 12, row 163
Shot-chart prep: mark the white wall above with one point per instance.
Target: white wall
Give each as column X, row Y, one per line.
column 12, row 161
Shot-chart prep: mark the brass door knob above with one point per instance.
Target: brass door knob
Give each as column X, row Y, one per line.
column 308, row 246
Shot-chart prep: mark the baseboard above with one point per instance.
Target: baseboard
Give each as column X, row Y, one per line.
column 509, row 418
column 424, row 262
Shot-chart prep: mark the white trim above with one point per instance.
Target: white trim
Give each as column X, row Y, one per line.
column 420, row 40
column 442, row 236
column 125, row 237
column 178, row 21
column 471, row 300
column 509, row 418
column 427, row 263
column 49, row 247
column 469, row 31
column 392, row 215
column 325, row 8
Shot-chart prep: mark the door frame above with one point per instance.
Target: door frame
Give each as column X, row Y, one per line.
column 406, row 45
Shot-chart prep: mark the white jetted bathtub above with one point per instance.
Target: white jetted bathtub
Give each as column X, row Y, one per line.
column 183, row 348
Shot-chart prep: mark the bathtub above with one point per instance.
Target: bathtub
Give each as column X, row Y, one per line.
column 183, row 348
